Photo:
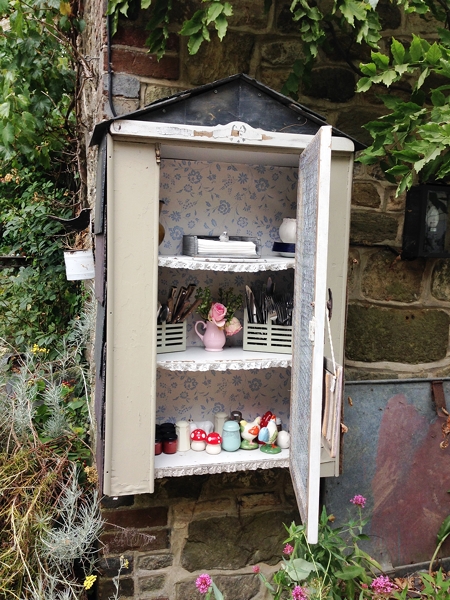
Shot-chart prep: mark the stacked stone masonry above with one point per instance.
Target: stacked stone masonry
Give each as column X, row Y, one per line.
column 220, row 524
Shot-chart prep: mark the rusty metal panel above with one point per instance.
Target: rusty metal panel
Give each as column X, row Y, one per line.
column 392, row 456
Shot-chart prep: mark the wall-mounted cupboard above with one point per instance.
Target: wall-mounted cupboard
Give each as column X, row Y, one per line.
column 207, row 180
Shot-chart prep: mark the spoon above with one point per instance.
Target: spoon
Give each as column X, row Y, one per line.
column 164, row 313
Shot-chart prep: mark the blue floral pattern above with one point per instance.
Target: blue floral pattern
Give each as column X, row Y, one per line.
column 206, row 198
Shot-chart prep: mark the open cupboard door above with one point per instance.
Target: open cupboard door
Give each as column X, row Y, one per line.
column 310, row 299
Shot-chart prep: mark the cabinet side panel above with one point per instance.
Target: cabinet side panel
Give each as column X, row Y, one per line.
column 132, row 216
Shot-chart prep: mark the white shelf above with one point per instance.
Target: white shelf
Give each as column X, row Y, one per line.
column 233, row 359
column 249, row 265
column 181, row 464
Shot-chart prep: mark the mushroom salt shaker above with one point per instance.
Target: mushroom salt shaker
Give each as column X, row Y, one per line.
column 213, row 443
column 198, row 440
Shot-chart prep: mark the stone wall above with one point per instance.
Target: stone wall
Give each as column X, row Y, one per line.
column 219, row 524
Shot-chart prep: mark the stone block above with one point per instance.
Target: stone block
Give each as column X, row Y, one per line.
column 352, row 118
column 135, row 62
column 251, row 501
column 152, row 92
column 106, row 589
column 180, row 487
column 354, row 260
column 140, row 518
column 394, row 202
column 130, row 539
column 219, row 505
column 233, row 543
column 217, row 59
column 389, row 14
column 122, row 106
column 440, row 280
column 110, row 566
column 249, row 14
column 152, row 583
column 385, row 277
column 372, row 228
column 124, row 85
column 283, row 18
column 353, row 374
column 273, row 77
column 153, row 562
column 337, row 84
column 242, row 482
column 377, row 334
column 284, row 52
column 233, row 587
column 365, row 194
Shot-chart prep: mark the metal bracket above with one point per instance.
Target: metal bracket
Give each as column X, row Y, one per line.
column 330, row 304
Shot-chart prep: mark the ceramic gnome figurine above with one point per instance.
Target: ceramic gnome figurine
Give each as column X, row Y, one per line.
column 268, row 434
column 249, row 433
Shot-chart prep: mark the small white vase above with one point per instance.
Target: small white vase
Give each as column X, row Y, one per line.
column 288, row 230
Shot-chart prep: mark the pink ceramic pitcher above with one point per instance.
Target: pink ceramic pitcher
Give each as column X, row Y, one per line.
column 213, row 337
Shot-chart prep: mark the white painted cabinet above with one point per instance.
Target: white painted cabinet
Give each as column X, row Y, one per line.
column 139, row 383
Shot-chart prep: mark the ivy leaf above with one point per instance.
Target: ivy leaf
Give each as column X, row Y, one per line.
column 8, row 134
column 422, row 78
column 194, row 25
column 434, row 54
column 380, row 60
column 195, row 41
column 398, row 51
column 364, row 84
column 65, row 9
column 415, row 49
column 438, row 98
column 145, row 4
column 214, row 10
column 351, row 10
column 221, row 26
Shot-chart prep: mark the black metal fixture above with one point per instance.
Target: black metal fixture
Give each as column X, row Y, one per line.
column 426, row 232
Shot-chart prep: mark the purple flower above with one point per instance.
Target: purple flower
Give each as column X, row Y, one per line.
column 203, row 583
column 288, row 549
column 299, row 593
column 382, row 585
column 358, row 500
column 255, row 569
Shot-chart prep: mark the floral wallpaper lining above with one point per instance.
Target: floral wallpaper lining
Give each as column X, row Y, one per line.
column 206, row 198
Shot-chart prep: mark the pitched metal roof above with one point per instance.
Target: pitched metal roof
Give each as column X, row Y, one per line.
column 235, row 98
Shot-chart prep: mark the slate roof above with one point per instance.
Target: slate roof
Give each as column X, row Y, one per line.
column 235, row 98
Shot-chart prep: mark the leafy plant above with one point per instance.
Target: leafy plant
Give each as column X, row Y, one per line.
column 412, row 141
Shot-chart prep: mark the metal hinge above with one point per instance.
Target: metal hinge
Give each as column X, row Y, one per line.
column 158, row 154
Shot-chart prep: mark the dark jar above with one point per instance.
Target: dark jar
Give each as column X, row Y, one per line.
column 169, row 445
column 158, row 446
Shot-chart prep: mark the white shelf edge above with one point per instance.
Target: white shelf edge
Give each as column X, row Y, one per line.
column 266, row 263
column 187, row 463
column 197, row 359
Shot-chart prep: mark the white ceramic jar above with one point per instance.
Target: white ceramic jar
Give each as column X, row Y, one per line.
column 283, row 439
column 288, row 231
column 184, row 436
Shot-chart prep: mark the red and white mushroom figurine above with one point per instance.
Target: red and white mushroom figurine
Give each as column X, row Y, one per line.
column 213, row 443
column 198, row 440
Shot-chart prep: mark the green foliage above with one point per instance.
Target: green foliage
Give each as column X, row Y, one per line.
column 335, row 567
column 36, row 301
column 39, row 157
column 412, row 141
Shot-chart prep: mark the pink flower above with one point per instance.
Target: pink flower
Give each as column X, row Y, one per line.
column 382, row 585
column 255, row 569
column 358, row 500
column 217, row 314
column 288, row 549
column 233, row 326
column 203, row 583
column 299, row 593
